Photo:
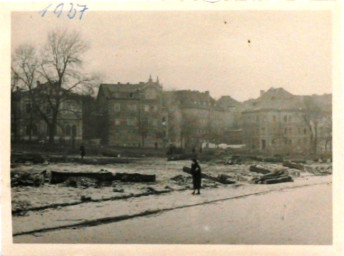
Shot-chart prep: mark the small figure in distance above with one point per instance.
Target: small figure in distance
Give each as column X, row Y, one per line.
column 196, row 176
column 82, row 151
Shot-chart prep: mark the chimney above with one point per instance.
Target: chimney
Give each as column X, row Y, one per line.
column 262, row 92
column 38, row 83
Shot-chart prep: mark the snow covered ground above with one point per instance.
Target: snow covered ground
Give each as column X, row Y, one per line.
column 300, row 216
column 112, row 207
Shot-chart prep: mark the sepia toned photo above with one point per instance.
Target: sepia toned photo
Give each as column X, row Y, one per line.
column 171, row 127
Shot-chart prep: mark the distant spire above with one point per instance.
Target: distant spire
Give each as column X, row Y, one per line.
column 157, row 79
column 150, row 78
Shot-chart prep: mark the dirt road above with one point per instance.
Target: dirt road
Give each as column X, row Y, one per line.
column 301, row 215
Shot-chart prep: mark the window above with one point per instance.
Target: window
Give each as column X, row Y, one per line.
column 28, row 130
column 290, row 130
column 131, row 121
column 117, row 121
column 285, row 131
column 117, row 107
column 285, row 118
column 154, row 122
column 146, row 108
column 34, row 130
column 74, row 130
column 274, row 118
column 68, row 130
column 132, row 107
column 305, row 131
column 289, row 119
column 28, row 107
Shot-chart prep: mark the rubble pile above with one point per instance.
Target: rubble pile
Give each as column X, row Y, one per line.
column 133, row 177
column 277, row 176
column 293, row 165
column 319, row 170
column 81, row 182
column 182, row 180
column 221, row 179
column 186, row 181
column 259, row 169
column 101, row 176
column 31, row 177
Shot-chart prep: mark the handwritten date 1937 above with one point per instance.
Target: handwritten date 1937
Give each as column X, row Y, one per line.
column 72, row 11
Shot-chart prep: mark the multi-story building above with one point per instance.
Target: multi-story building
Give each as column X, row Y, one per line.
column 30, row 120
column 196, row 119
column 276, row 123
column 189, row 117
column 224, row 119
column 132, row 115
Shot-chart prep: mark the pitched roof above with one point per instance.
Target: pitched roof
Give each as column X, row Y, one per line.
column 225, row 102
column 275, row 99
column 110, row 89
column 195, row 95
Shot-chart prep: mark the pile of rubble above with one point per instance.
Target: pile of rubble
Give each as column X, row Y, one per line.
column 34, row 178
column 75, row 179
column 186, row 181
column 272, row 174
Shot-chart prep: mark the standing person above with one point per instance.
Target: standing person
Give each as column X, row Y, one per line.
column 82, row 151
column 196, row 176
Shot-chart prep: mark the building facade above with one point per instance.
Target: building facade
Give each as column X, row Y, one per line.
column 195, row 119
column 279, row 123
column 132, row 115
column 31, row 115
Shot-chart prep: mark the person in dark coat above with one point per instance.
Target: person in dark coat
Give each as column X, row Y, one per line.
column 196, row 176
column 82, row 151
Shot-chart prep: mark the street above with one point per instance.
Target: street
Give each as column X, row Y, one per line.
column 300, row 215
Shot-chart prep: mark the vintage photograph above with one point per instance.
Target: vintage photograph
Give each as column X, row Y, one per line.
column 171, row 127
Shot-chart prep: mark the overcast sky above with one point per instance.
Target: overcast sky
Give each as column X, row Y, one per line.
column 236, row 53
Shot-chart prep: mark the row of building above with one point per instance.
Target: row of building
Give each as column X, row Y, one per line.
column 144, row 115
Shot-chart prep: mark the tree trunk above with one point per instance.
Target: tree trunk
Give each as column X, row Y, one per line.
column 142, row 141
column 51, row 133
column 52, row 130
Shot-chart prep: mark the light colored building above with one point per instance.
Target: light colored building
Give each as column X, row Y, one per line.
column 278, row 122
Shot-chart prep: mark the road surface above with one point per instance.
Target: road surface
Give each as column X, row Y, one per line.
column 293, row 216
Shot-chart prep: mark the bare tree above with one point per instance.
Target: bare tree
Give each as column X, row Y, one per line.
column 24, row 73
column 59, row 65
column 312, row 115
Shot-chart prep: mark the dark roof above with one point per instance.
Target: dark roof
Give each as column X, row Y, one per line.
column 195, row 95
column 109, row 89
column 41, row 89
